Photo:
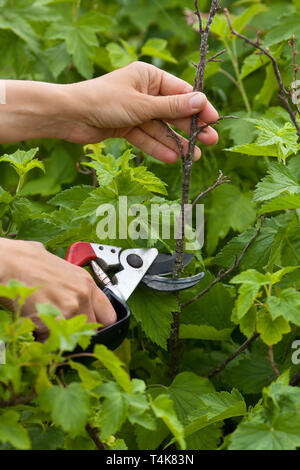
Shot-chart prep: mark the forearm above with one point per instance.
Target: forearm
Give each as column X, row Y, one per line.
column 32, row 110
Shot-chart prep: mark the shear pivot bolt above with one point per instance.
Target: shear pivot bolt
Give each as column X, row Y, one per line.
column 135, row 261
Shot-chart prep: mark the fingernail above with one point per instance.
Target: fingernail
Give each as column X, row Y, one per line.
column 197, row 101
column 197, row 154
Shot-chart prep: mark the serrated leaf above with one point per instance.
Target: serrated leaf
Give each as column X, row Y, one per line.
column 186, row 391
column 215, row 407
column 120, row 56
column 204, row 332
column 157, row 47
column 13, row 432
column 155, row 315
column 114, row 365
column 68, row 407
column 72, row 198
column 271, row 331
column 286, row 304
column 220, row 221
column 163, row 408
column 113, row 409
column 279, row 180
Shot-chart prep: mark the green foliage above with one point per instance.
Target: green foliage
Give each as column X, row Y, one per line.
column 50, row 192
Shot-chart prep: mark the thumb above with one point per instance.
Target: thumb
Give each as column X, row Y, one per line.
column 176, row 106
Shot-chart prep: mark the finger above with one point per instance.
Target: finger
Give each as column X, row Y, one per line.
column 171, row 85
column 173, row 106
column 208, row 136
column 103, row 309
column 159, row 132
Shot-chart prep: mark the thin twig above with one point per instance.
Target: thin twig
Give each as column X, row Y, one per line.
column 236, row 353
column 296, row 69
column 208, row 124
column 212, row 58
column 18, row 400
column 173, row 135
column 272, row 361
column 198, row 14
column 93, row 433
column 221, row 180
column 223, row 273
column 283, row 93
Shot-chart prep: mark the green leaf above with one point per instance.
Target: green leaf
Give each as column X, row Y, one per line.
column 221, row 220
column 186, row 391
column 250, row 375
column 13, row 432
column 58, row 59
column 271, row 331
column 163, row 408
column 269, row 87
column 291, row 201
column 71, row 198
column 286, row 304
column 50, row 439
column 121, row 56
column 114, row 365
column 279, row 180
column 23, row 161
column 215, row 407
column 156, row 47
column 155, row 315
column 13, row 21
column 204, row 332
column 65, row 334
column 272, row 425
column 113, row 409
column 69, row 407
column 16, row 290
column 284, row 30
column 273, row 141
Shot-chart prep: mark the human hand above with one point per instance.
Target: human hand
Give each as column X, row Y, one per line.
column 124, row 103
column 68, row 287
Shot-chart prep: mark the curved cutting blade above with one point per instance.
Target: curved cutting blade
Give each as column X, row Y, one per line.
column 165, row 284
column 164, row 263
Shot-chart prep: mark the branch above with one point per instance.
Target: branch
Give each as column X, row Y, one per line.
column 187, row 161
column 283, row 93
column 93, row 433
column 223, row 273
column 272, row 361
column 202, row 128
column 236, row 353
column 18, row 400
column 296, row 69
column 198, row 14
column 221, row 180
column 213, row 58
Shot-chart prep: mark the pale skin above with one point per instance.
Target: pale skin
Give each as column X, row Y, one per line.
column 123, row 103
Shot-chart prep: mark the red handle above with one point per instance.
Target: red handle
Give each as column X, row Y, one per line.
column 80, row 253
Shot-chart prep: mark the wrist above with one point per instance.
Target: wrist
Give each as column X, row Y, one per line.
column 33, row 110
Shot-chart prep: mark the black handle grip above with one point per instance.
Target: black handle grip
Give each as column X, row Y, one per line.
column 113, row 335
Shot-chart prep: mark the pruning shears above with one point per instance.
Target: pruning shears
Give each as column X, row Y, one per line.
column 128, row 268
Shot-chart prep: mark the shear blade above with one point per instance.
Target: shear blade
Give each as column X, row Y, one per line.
column 164, row 284
column 164, row 263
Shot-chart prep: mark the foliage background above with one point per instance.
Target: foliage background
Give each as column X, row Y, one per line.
column 246, row 406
